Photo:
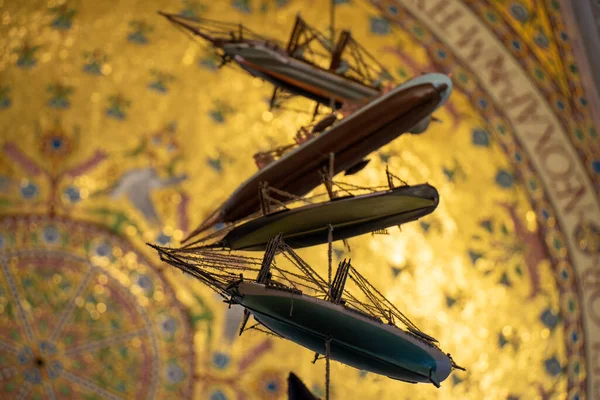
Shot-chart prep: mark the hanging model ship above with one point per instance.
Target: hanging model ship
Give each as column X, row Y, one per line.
column 347, row 74
column 296, row 303
column 340, row 218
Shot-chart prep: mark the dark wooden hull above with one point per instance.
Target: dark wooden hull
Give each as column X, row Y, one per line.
column 349, row 216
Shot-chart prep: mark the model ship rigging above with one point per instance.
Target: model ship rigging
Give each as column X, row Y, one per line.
column 308, row 65
column 322, row 315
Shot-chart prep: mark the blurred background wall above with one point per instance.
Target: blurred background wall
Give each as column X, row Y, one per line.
column 116, row 130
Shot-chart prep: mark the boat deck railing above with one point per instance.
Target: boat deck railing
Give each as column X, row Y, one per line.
column 362, row 313
column 422, row 339
column 280, row 286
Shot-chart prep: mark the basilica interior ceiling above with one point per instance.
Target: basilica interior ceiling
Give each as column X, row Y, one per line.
column 116, row 129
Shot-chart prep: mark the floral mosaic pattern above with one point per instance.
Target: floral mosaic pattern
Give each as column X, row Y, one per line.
column 125, row 132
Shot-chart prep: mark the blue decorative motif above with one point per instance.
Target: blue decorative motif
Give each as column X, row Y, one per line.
column 552, row 366
column 596, row 166
column 192, row 9
column 518, row 157
column 169, row 325
column 317, row 390
column 502, row 340
column 456, row 380
column 47, row 348
column 73, row 194
column 174, row 373
column 481, row 138
column 491, row 16
column 2, row 241
column 454, row 172
column 504, row 280
column 26, row 56
column 380, row 26
column 145, row 282
column 542, row 40
column 573, row 68
column 54, row 369
column 57, row 143
column 59, row 96
column 51, row 235
column 103, row 250
column 338, row 253
column 519, row 12
column 220, row 112
column 94, row 61
column 474, row 256
column 29, row 190
column 210, row 62
column 220, row 360
column 33, row 375
column 160, row 81
column 64, row 17
column 25, row 355
column 504, row 179
column 215, row 163
column 487, row 225
column 218, row 395
column 574, row 337
column 242, row 5
column 272, row 386
column 5, row 100
column 117, row 106
column 163, row 239
column 139, row 32
column 217, row 116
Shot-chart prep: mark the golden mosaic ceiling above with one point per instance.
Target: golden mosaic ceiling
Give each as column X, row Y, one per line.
column 118, row 130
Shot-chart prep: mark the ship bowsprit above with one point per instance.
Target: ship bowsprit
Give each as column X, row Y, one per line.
column 356, row 339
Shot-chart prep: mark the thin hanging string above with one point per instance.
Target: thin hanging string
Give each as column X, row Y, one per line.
column 329, row 255
column 332, row 22
column 327, row 371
